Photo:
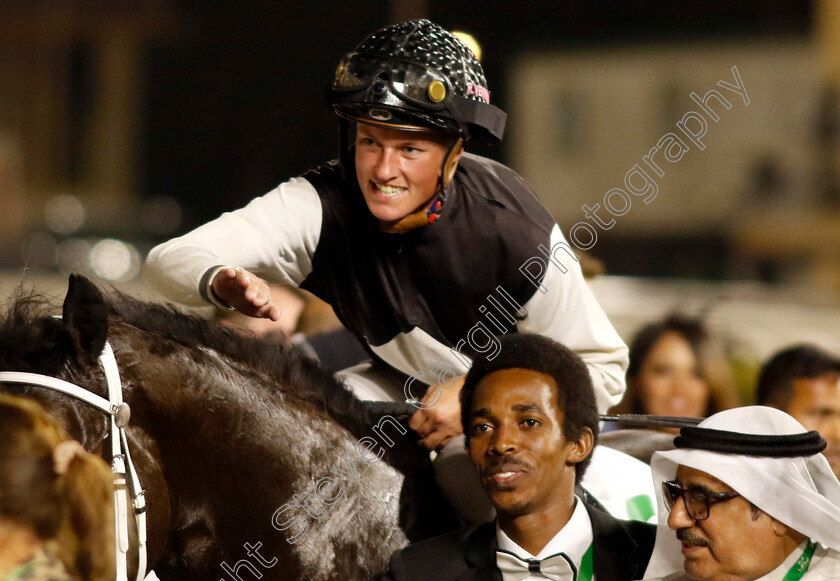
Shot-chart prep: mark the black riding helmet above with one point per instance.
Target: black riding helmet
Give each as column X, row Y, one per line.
column 415, row 76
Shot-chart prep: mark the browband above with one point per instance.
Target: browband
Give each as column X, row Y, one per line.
column 786, row 446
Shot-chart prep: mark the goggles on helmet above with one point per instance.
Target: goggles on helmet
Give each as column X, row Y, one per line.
column 411, row 82
column 382, row 89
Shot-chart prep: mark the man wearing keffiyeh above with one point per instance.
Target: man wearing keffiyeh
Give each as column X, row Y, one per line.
column 748, row 497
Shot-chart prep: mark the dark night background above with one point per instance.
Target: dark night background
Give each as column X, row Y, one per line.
column 235, row 93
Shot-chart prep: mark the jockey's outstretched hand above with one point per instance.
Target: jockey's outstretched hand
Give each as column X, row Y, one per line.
column 245, row 292
column 441, row 422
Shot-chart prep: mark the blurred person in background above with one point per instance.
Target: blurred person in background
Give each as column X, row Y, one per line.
column 804, row 381
column 56, row 501
column 675, row 370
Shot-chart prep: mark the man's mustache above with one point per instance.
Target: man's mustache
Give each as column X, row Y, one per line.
column 506, row 462
column 690, row 539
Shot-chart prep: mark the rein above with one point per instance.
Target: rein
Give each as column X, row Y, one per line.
column 119, row 413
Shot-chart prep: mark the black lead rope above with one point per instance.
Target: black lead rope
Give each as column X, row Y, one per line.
column 376, row 410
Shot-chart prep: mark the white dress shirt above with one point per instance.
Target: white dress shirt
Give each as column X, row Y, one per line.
column 573, row 540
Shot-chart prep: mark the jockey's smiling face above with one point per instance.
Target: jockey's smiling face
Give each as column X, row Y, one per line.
column 398, row 171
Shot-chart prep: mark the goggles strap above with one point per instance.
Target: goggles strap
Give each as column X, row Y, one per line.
column 467, row 111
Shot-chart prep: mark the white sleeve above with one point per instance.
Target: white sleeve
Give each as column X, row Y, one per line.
column 422, row 357
column 568, row 313
column 274, row 237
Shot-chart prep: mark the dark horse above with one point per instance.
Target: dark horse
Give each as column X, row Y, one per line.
column 255, row 461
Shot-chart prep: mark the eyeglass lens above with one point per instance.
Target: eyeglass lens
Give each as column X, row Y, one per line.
column 696, row 499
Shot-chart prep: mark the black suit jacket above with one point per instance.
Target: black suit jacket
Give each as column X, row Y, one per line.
column 621, row 553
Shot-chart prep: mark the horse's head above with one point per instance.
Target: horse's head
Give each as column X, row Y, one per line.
column 34, row 341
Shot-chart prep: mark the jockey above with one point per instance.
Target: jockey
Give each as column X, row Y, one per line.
column 425, row 252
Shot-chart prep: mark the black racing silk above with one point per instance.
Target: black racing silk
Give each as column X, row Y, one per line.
column 436, row 277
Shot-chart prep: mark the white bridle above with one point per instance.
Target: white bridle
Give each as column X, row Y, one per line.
column 120, row 414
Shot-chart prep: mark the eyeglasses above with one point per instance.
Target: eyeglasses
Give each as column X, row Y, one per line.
column 413, row 82
column 697, row 500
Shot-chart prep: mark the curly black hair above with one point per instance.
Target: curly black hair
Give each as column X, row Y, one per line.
column 575, row 393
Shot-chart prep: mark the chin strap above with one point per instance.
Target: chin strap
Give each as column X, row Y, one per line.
column 428, row 215
column 406, row 223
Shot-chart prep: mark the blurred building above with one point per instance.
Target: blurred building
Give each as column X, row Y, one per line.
column 723, row 150
column 71, row 97
column 691, row 157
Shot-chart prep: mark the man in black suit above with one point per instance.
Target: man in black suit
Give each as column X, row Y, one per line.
column 531, row 422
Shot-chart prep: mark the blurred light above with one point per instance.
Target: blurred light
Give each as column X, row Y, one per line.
column 73, row 256
column 114, row 260
column 64, row 214
column 470, row 41
column 161, row 215
column 39, row 251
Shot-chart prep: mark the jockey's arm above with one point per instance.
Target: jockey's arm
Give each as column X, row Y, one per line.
column 221, row 262
column 568, row 313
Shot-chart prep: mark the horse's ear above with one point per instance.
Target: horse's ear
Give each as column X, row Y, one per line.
column 85, row 318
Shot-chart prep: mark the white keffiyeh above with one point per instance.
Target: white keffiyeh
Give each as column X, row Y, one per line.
column 801, row 492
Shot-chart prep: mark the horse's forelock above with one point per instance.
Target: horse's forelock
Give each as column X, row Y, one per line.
column 31, row 339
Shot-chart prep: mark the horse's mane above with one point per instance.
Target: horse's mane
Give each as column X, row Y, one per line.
column 290, row 370
column 32, row 340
